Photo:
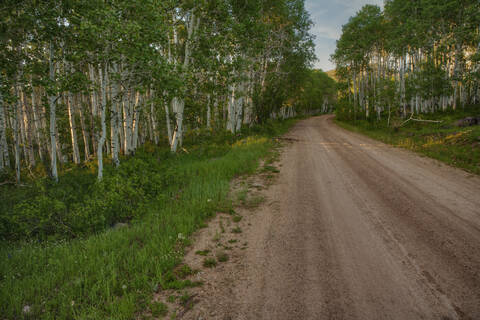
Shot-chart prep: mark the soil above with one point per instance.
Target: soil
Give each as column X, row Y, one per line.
column 349, row 228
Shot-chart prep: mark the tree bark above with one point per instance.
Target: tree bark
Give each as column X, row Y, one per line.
column 73, row 128
column 53, row 102
column 103, row 136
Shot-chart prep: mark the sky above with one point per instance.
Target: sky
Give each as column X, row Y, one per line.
column 328, row 17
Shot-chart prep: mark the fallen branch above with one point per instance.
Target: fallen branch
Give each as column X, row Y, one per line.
column 12, row 183
column 419, row 120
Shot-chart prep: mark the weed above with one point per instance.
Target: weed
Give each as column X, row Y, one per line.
column 158, row 309
column 187, row 301
column 222, row 229
column 237, row 230
column 184, row 271
column 269, row 168
column 222, row 256
column 202, row 252
column 209, row 263
column 237, row 218
column 242, row 195
column 169, row 281
column 254, row 202
column 232, row 241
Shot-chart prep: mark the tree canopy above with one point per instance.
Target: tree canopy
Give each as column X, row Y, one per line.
column 412, row 57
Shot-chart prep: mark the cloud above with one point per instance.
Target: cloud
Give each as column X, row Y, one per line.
column 328, row 17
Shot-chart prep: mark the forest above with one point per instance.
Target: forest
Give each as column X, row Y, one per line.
column 412, row 57
column 122, row 124
column 84, row 80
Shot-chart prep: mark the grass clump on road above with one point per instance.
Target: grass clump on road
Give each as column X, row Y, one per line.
column 237, row 230
column 222, row 257
column 61, row 258
column 209, row 263
column 202, row 252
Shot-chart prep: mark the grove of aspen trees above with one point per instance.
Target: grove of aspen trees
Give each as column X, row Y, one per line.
column 87, row 80
column 411, row 57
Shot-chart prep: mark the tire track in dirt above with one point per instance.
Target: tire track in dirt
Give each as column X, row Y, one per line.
column 351, row 229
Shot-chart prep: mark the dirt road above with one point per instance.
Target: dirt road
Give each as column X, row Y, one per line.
column 355, row 229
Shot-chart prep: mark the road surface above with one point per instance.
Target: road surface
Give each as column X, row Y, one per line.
column 356, row 229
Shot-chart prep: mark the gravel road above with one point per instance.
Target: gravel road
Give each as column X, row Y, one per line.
column 356, row 229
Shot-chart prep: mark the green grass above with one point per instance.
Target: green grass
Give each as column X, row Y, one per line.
column 209, row 263
column 203, row 252
column 222, row 257
column 112, row 273
column 456, row 146
column 158, row 309
column 237, row 230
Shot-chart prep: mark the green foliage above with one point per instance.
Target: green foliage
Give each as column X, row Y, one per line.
column 417, row 56
column 318, row 89
column 114, row 272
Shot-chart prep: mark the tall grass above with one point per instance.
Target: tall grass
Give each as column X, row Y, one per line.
column 114, row 273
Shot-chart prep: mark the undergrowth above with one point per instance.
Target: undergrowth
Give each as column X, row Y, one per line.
column 61, row 257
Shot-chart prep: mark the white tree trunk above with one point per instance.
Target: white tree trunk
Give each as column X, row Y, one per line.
column 169, row 125
column 136, row 122
column 37, row 124
column 114, row 121
column 4, row 158
column 73, row 128
column 208, row 111
column 53, row 130
column 177, row 138
column 86, row 143
column 153, row 119
column 101, row 142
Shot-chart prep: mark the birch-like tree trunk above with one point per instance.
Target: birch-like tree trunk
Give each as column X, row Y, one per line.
column 4, row 158
column 73, row 128
column 169, row 125
column 209, row 119
column 153, row 118
column 85, row 136
column 37, row 124
column 16, row 137
column 136, row 122
column 53, row 130
column 101, row 142
column 231, row 110
column 177, row 137
column 114, row 120
column 94, row 106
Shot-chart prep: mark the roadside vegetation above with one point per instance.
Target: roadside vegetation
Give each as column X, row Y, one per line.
column 90, row 259
column 445, row 141
column 409, row 72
